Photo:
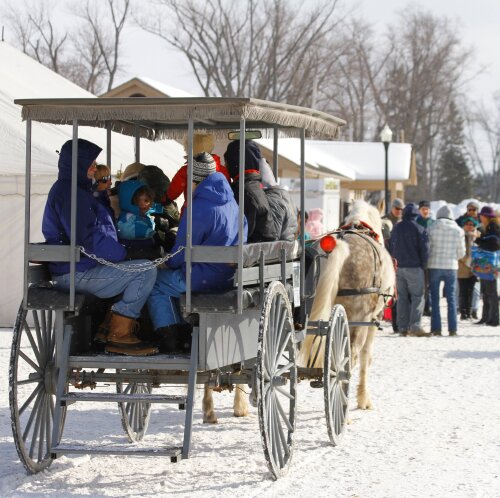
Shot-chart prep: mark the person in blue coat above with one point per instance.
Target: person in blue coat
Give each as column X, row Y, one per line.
column 96, row 233
column 409, row 245
column 215, row 223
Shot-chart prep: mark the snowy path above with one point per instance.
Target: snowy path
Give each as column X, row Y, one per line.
column 435, row 431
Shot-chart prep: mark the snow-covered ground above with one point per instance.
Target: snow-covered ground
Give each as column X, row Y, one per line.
column 435, row 431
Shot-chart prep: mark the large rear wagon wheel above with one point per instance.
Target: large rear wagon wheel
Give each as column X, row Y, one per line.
column 135, row 416
column 32, row 387
column 276, row 379
column 337, row 374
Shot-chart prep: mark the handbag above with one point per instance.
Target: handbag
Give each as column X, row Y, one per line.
column 485, row 264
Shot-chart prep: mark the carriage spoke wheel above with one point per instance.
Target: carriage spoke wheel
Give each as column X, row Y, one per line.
column 276, row 379
column 32, row 386
column 337, row 374
column 135, row 416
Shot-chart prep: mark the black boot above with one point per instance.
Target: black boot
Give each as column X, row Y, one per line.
column 174, row 339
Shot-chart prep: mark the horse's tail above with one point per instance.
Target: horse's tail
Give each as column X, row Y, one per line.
column 311, row 352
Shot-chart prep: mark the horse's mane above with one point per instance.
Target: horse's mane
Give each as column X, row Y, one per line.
column 362, row 211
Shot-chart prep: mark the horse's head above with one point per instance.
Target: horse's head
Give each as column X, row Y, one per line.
column 361, row 211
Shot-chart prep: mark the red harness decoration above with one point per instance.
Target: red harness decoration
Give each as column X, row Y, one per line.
column 362, row 227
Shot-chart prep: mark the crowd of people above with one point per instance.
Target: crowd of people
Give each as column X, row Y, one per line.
column 429, row 252
column 138, row 220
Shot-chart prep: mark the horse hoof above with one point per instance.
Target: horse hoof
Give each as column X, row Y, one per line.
column 241, row 413
column 212, row 419
column 366, row 405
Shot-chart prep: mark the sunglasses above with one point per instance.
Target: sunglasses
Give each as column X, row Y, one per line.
column 104, row 179
column 398, row 209
column 472, row 209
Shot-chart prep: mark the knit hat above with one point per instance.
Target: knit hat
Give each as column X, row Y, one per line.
column 422, row 204
column 473, row 204
column 487, row 211
column 398, row 203
column 470, row 219
column 232, row 157
column 203, row 165
column 444, row 212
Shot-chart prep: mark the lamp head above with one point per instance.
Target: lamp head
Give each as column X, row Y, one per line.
column 386, row 134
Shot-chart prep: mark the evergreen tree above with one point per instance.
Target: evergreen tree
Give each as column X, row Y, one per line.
column 454, row 180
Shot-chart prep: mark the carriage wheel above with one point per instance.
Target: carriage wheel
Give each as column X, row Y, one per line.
column 32, row 387
column 276, row 379
column 135, row 416
column 337, row 374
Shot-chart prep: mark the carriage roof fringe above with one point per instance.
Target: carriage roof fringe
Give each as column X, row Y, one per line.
column 158, row 118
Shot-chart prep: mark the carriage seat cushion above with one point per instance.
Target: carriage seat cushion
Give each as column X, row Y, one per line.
column 271, row 252
column 221, row 302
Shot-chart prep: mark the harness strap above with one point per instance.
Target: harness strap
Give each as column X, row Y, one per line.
column 357, row 292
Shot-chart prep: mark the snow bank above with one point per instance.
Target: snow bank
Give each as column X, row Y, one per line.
column 434, row 432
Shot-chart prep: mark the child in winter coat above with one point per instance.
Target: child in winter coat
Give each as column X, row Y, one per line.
column 101, row 193
column 466, row 279
column 315, row 224
column 134, row 222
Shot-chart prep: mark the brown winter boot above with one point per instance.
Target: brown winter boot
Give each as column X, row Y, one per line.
column 103, row 329
column 121, row 338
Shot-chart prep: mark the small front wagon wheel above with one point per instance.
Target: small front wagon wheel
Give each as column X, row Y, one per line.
column 276, row 379
column 135, row 416
column 337, row 373
column 32, row 378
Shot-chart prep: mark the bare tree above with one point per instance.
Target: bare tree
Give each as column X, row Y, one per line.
column 257, row 47
column 483, row 145
column 425, row 70
column 90, row 55
column 101, row 43
column 347, row 90
column 36, row 33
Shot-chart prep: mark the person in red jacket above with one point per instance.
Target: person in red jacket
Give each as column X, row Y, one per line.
column 202, row 142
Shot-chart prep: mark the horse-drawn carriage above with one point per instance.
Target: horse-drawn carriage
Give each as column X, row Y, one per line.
column 247, row 335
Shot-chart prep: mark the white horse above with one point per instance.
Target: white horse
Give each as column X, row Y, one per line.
column 359, row 261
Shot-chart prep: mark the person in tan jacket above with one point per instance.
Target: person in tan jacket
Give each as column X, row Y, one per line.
column 466, row 278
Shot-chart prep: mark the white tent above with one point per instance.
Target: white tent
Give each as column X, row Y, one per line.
column 20, row 78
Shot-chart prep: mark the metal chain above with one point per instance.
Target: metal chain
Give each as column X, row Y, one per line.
column 133, row 267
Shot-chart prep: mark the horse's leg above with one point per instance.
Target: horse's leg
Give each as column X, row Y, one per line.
column 357, row 336
column 209, row 416
column 240, row 405
column 364, row 401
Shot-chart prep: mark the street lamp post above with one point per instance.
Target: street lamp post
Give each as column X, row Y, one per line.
column 386, row 137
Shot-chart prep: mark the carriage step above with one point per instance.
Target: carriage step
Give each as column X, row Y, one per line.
column 155, row 362
column 174, row 452
column 125, row 398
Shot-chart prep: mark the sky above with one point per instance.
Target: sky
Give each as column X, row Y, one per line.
column 147, row 55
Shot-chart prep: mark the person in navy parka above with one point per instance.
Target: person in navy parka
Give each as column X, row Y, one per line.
column 96, row 233
column 215, row 223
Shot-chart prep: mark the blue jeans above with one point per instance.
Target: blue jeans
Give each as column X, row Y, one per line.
column 449, row 277
column 163, row 302
column 105, row 281
column 410, row 283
